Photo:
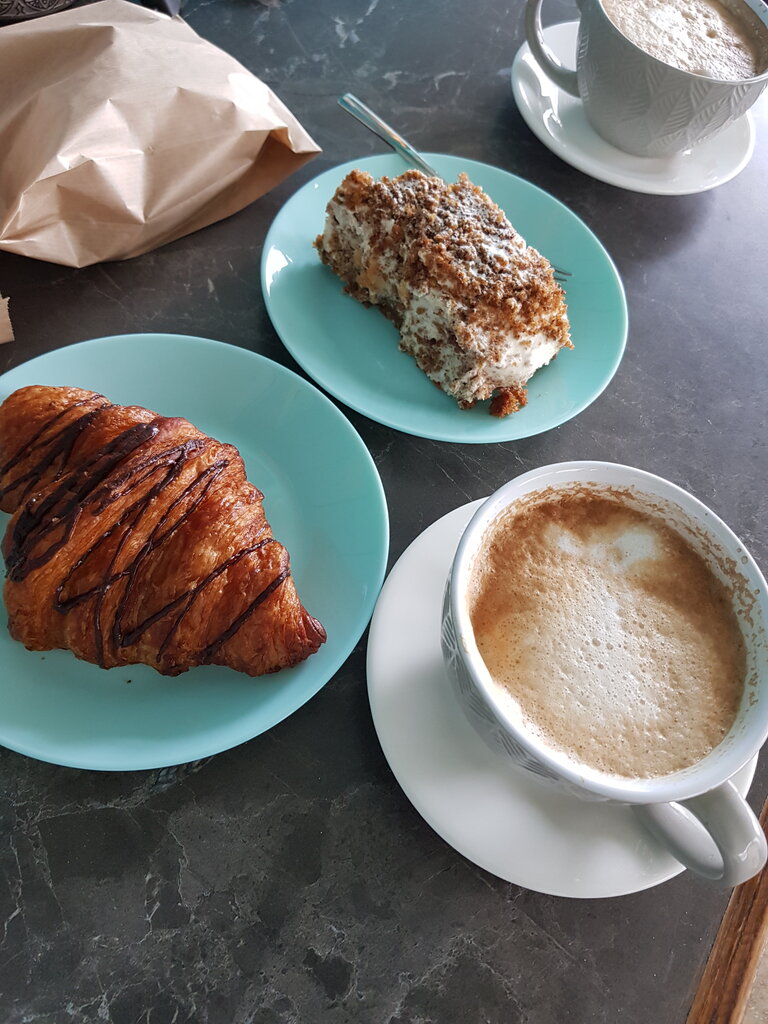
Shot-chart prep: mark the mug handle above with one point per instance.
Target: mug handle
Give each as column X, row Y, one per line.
column 564, row 78
column 729, row 845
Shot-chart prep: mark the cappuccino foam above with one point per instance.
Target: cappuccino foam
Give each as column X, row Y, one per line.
column 609, row 632
column 701, row 36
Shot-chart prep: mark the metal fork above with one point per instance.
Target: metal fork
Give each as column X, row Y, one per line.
column 401, row 146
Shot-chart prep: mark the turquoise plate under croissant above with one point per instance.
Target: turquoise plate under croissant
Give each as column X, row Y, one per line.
column 324, row 500
column 352, row 351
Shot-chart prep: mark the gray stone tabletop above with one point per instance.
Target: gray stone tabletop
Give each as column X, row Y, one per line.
column 290, row 879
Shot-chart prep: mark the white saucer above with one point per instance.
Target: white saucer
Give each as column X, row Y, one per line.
column 493, row 815
column 559, row 121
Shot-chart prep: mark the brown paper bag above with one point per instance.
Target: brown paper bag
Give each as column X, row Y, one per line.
column 121, row 130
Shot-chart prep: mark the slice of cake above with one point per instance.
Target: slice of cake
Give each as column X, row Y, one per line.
column 477, row 308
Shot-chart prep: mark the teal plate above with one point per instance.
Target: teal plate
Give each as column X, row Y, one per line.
column 352, row 351
column 324, row 501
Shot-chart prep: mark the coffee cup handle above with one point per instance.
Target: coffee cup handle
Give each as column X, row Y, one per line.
column 728, row 846
column 563, row 77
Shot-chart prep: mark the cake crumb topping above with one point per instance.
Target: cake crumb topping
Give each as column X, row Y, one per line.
column 443, row 262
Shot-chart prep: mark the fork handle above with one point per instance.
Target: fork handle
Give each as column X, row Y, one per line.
column 380, row 128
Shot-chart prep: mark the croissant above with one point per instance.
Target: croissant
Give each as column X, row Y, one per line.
column 135, row 538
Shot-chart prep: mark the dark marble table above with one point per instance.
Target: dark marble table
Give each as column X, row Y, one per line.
column 290, row 880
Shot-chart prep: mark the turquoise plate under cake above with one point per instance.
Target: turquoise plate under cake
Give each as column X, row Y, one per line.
column 324, row 500
column 352, row 351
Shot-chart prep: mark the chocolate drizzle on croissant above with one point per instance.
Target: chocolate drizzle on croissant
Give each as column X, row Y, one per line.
column 143, row 539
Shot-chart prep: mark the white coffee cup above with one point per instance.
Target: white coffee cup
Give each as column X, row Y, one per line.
column 731, row 846
column 639, row 104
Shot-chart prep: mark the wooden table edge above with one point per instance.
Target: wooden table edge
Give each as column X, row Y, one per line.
column 729, row 973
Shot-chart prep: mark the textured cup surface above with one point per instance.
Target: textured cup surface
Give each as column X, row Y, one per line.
column 643, row 105
column 484, row 703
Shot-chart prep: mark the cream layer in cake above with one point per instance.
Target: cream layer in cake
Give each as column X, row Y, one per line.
column 477, row 308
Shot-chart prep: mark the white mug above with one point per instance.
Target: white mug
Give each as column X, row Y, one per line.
column 731, row 846
column 640, row 104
